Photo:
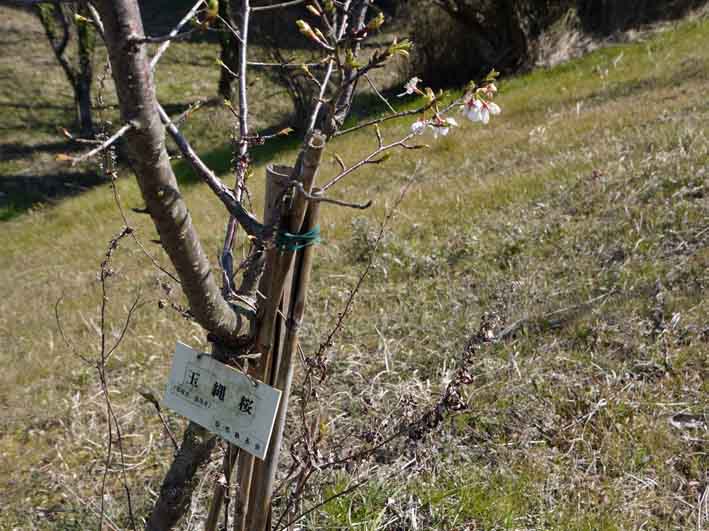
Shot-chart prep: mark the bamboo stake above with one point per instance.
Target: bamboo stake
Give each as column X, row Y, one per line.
column 292, row 221
column 265, row 471
column 273, row 282
column 277, row 179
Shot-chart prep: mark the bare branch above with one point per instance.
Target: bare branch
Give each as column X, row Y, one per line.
column 101, row 147
column 369, row 159
column 66, row 340
column 259, row 9
column 377, row 121
column 257, row 64
column 328, row 73
column 186, row 114
column 327, row 500
column 320, row 199
column 232, row 29
column 242, row 161
column 250, row 224
column 229, row 70
column 126, row 325
column 149, row 396
column 379, row 94
column 164, row 46
column 165, row 38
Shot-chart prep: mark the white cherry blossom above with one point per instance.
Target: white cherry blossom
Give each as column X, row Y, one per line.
column 477, row 110
column 442, row 127
column 418, row 127
column 410, row 87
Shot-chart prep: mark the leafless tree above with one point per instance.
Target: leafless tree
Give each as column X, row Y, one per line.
column 62, row 22
column 251, row 312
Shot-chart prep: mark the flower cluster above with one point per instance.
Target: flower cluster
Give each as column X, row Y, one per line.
column 437, row 125
column 411, row 87
column 476, row 105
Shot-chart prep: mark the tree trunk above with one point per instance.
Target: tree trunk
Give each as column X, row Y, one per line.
column 145, row 147
column 180, row 481
column 82, row 101
column 229, row 51
column 59, row 26
column 84, row 75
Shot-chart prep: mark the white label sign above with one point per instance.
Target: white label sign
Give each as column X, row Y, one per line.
column 223, row 400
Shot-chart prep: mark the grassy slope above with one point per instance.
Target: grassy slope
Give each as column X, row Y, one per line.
column 591, row 186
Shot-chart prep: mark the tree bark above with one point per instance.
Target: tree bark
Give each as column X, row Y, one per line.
column 145, row 145
column 180, row 481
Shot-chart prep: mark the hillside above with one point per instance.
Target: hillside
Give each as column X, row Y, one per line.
column 577, row 223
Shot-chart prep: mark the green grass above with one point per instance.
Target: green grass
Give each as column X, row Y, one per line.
column 591, row 186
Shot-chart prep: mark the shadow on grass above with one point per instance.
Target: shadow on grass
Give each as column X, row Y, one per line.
column 15, row 151
column 19, row 193
column 220, row 159
column 33, row 106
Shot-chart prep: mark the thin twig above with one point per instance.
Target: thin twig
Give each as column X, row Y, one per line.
column 119, row 205
column 67, row 342
column 101, row 147
column 186, row 114
column 241, row 164
column 231, row 28
column 324, row 502
column 136, row 304
column 164, row 46
column 284, row 65
column 229, row 70
column 328, row 73
column 319, row 198
column 386, row 118
column 371, row 159
column 379, row 94
column 164, row 38
column 150, row 397
column 259, row 9
column 111, row 417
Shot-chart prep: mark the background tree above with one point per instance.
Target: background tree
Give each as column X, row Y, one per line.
column 229, row 49
column 62, row 23
column 459, row 39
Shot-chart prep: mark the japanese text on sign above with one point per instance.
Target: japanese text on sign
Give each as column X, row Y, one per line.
column 223, row 400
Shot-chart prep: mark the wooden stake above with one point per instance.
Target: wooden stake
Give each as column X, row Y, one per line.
column 277, row 178
column 273, row 282
column 265, row 471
